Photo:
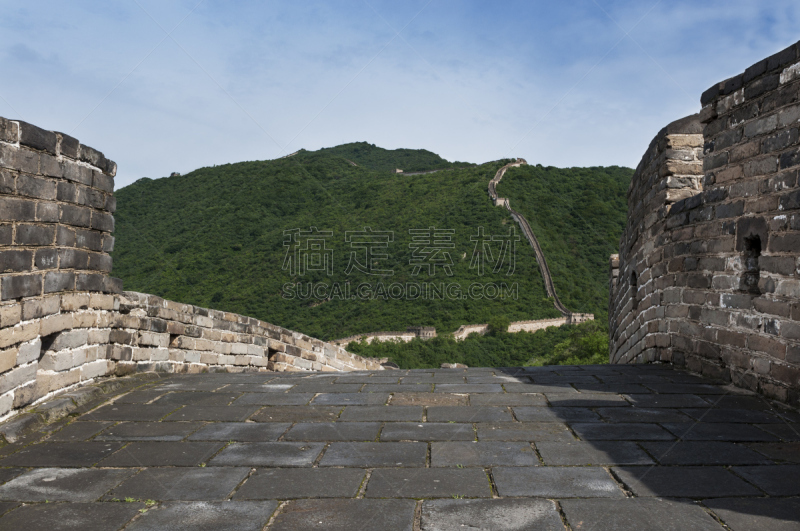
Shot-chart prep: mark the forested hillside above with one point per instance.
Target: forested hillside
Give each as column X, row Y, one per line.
column 229, row 237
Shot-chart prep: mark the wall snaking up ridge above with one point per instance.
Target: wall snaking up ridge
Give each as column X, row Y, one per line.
column 708, row 273
column 64, row 320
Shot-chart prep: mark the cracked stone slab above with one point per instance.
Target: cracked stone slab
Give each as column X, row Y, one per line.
column 151, row 453
column 733, row 432
column 555, row 414
column 524, row 431
column 641, row 414
column 467, row 388
column 62, row 454
column 469, row 414
column 382, row 413
column 671, row 400
column 586, row 400
column 334, row 431
column 189, row 398
column 744, row 514
column 297, row 414
column 7, row 474
column 775, row 480
column 187, row 484
column 149, row 431
column 206, row 516
column 241, row 431
column 213, row 413
column 319, row 387
column 789, row 451
column 427, row 431
column 580, row 453
column 703, row 453
column 749, row 416
column 367, row 454
column 428, row 483
column 528, row 515
column 62, row 484
column 131, row 412
column 346, row 515
column 71, row 516
column 79, row 431
column 290, row 483
column 274, row 399
column 636, row 514
column 684, row 482
column 507, row 399
column 484, row 454
column 429, row 399
column 552, row 482
column 276, row 454
column 351, row 399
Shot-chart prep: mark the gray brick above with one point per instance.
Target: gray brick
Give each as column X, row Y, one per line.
column 20, row 286
column 13, row 261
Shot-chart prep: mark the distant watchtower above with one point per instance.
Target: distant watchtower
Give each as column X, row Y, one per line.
column 422, row 332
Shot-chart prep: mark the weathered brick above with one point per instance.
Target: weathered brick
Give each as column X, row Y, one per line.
column 35, row 235
column 14, row 209
column 19, row 286
column 37, row 187
column 46, row 258
column 75, row 215
column 12, row 261
column 37, row 138
column 768, row 345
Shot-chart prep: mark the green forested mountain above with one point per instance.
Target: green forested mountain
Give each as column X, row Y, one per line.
column 577, row 215
column 227, row 237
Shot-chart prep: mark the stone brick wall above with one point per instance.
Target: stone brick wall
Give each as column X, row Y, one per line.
column 64, row 320
column 709, row 270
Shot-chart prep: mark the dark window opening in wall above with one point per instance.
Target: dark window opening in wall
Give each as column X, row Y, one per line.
column 751, row 253
column 634, row 290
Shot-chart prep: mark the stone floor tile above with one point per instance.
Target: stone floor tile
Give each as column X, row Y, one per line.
column 734, row 401
column 666, row 400
column 203, row 398
column 369, row 454
column 149, row 431
column 275, row 386
column 241, row 431
column 561, row 388
column 586, row 400
column 62, row 454
column 289, row 483
column 277, row 454
column 382, row 413
column 70, row 516
column 555, row 482
column 188, row 484
column 427, row 431
column 430, row 399
column 621, row 431
column 637, row 514
column 333, row 431
column 789, row 451
column 580, row 453
column 555, row 414
column 718, row 431
column 483, row 454
column 703, row 453
column 469, row 414
column 191, row 384
column 273, row 399
column 78, row 431
column 467, row 388
column 7, row 474
column 507, row 399
column 486, row 515
column 748, row 416
column 255, row 388
column 684, row 482
column 775, row 480
column 346, row 515
column 320, row 387
column 787, row 432
column 213, row 413
column 351, row 399
column 428, row 483
column 140, row 397
column 206, row 516
column 398, row 388
column 150, row 453
column 524, row 431
column 615, row 388
column 62, row 484
column 297, row 414
column 690, row 388
column 363, row 379
column 131, row 412
column 769, row 514
column 640, row 414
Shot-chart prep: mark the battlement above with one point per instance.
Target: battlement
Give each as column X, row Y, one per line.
column 708, row 271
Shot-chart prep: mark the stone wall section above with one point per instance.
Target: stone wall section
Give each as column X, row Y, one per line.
column 64, row 320
column 711, row 280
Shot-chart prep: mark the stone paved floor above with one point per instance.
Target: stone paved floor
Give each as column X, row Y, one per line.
column 581, row 448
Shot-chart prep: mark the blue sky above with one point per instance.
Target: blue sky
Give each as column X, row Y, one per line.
column 172, row 86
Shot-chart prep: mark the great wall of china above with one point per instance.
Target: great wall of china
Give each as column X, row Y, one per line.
column 708, row 271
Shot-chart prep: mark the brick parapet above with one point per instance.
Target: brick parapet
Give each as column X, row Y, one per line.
column 718, row 286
